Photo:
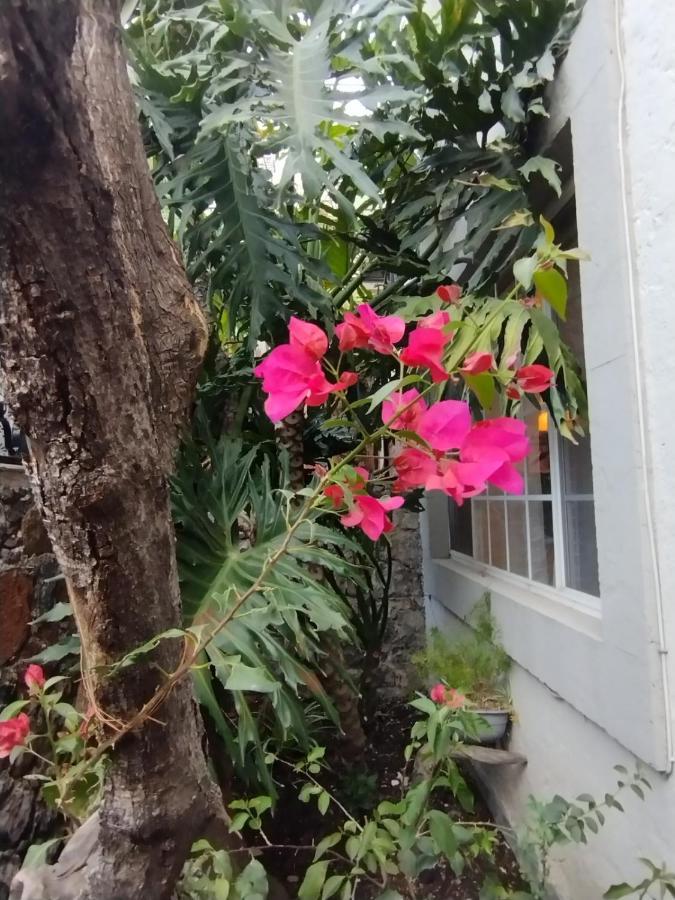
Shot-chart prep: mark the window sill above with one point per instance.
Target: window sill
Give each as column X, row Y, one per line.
column 568, row 607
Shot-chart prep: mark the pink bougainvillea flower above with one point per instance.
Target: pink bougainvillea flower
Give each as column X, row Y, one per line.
column 497, row 444
column 445, row 425
column 355, row 479
column 535, row 378
column 425, row 349
column 366, row 329
column 292, row 375
column 34, row 678
column 478, row 362
column 414, row 468
column 370, row 514
column 461, row 480
column 352, row 332
column 437, row 693
column 453, row 699
column 439, row 319
column 383, row 331
column 395, row 414
column 13, row 733
column 512, row 392
column 449, row 293
column 307, row 337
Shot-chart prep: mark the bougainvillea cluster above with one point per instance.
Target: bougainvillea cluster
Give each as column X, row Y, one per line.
column 439, row 444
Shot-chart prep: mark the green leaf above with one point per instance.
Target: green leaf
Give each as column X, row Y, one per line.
column 313, row 882
column 37, row 854
column 58, row 612
column 524, row 269
column 326, row 843
column 553, row 287
column 483, row 386
column 12, row 709
column 441, row 827
column 248, row 678
column 332, row 886
column 398, row 384
column 512, row 105
column 69, row 645
column 547, row 168
column 252, row 883
column 323, row 802
column 619, row 890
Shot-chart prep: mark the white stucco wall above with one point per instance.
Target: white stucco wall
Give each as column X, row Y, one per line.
column 592, row 688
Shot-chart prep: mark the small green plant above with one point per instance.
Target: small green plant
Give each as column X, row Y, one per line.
column 657, row 878
column 209, row 875
column 477, row 665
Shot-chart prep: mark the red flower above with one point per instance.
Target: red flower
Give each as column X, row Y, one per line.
column 449, row 293
column 34, row 678
column 535, row 379
column 454, row 699
column 370, row 514
column 425, row 349
column 355, row 481
column 478, row 362
column 13, row 733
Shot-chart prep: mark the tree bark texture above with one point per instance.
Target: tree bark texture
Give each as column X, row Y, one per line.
column 100, row 344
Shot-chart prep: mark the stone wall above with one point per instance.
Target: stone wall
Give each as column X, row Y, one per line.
column 397, row 677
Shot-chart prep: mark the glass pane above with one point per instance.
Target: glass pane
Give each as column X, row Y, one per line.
column 481, row 543
column 581, row 553
column 571, row 329
column 577, row 473
column 497, row 516
column 517, row 536
column 461, row 539
column 541, row 541
column 539, row 460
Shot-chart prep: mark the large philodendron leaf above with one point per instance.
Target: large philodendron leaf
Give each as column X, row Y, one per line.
column 231, row 521
column 297, row 97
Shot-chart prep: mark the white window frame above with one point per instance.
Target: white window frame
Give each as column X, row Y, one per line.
column 603, row 660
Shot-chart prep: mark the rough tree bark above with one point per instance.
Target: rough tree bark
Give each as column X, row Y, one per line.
column 100, row 344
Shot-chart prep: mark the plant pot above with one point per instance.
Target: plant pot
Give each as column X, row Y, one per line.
column 494, row 726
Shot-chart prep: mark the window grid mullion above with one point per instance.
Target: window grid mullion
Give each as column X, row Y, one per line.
column 559, row 560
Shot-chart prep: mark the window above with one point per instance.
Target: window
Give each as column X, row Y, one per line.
column 547, row 534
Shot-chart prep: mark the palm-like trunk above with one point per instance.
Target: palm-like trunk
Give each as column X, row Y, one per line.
column 101, row 341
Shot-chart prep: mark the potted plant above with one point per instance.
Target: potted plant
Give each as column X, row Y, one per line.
column 472, row 670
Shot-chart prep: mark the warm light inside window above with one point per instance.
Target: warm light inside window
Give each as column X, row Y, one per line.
column 542, row 420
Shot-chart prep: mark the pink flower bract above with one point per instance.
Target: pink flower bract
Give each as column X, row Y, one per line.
column 410, row 417
column 425, row 349
column 449, row 293
column 445, row 425
column 535, row 379
column 13, row 733
column 366, row 329
column 437, row 693
column 498, row 443
column 478, row 362
column 307, row 337
column 370, row 514
column 34, row 677
column 414, row 468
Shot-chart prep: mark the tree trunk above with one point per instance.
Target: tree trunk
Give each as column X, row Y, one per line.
column 100, row 343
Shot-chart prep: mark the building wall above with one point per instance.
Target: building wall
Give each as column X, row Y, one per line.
column 592, row 684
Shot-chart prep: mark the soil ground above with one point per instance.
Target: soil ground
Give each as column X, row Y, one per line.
column 380, row 776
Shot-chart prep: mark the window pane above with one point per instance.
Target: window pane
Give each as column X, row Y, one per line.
column 461, row 539
column 581, row 554
column 539, row 460
column 541, row 541
column 481, row 543
column 577, row 472
column 517, row 536
column 496, row 513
